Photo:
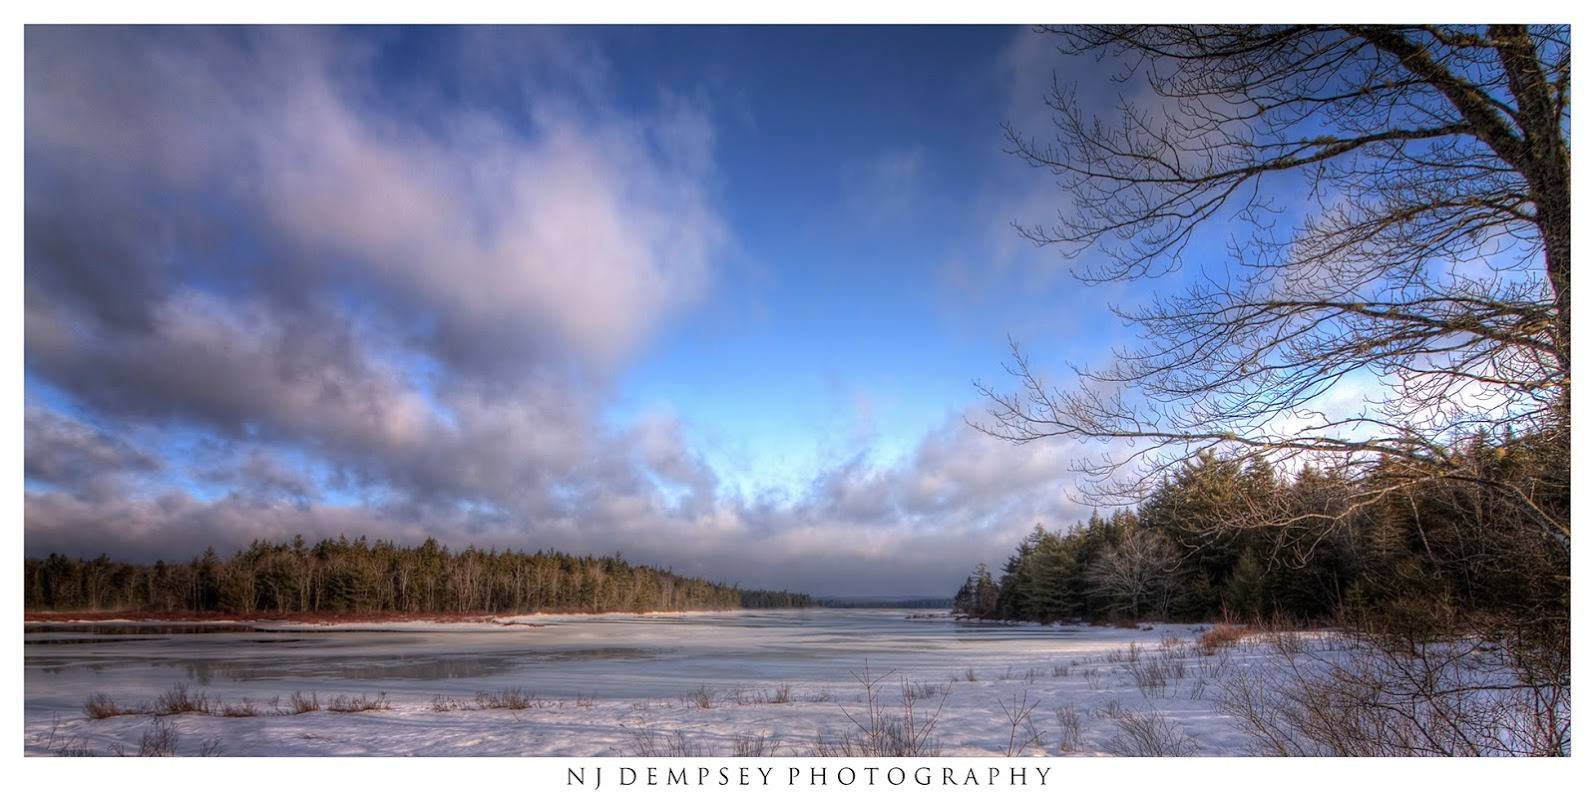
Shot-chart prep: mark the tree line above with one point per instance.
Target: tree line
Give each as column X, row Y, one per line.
column 1238, row 538
column 352, row 576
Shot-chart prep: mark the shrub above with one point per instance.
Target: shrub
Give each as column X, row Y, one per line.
column 1219, row 638
column 879, row 731
column 650, row 743
column 160, row 740
column 504, row 698
column 179, row 700
column 100, row 705
column 299, row 704
column 1069, row 725
column 701, row 697
column 361, row 704
column 1022, row 731
column 762, row 744
column 1146, row 734
column 1453, row 698
column 243, row 709
column 1153, row 676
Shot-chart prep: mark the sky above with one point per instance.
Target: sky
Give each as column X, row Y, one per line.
column 716, row 298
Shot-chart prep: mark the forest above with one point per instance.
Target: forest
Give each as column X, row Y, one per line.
column 344, row 576
column 1236, row 539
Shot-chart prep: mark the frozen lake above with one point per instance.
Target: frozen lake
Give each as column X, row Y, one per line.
column 608, row 657
column 603, row 685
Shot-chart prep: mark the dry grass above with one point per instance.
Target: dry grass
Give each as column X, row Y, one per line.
column 299, row 704
column 100, row 705
column 1219, row 638
column 701, row 697
column 244, row 708
column 761, row 744
column 650, row 743
column 360, row 704
column 1069, row 726
column 179, row 700
column 503, row 698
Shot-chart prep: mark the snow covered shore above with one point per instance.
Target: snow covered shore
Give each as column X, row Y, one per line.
column 644, row 686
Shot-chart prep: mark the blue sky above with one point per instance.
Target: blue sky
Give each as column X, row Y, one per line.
column 714, row 297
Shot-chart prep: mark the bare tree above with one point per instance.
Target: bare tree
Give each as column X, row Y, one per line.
column 1432, row 168
column 1135, row 575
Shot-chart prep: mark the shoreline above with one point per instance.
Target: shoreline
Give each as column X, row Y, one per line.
column 317, row 618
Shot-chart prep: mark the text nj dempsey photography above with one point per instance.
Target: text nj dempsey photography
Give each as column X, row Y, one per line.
column 607, row 777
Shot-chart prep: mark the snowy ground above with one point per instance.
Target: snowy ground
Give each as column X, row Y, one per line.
column 760, row 683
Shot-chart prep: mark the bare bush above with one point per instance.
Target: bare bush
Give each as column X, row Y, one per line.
column 761, row 744
column 160, row 740
column 880, row 731
column 1069, row 727
column 299, row 704
column 503, row 698
column 650, row 743
column 100, row 705
column 701, row 697
column 1023, row 733
column 1153, row 676
column 1145, row 734
column 1095, row 678
column 1287, row 644
column 244, row 708
column 179, row 700
column 1219, row 638
column 361, row 704
column 1446, row 698
column 57, row 745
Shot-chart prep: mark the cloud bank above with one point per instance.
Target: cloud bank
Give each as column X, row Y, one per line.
column 277, row 284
